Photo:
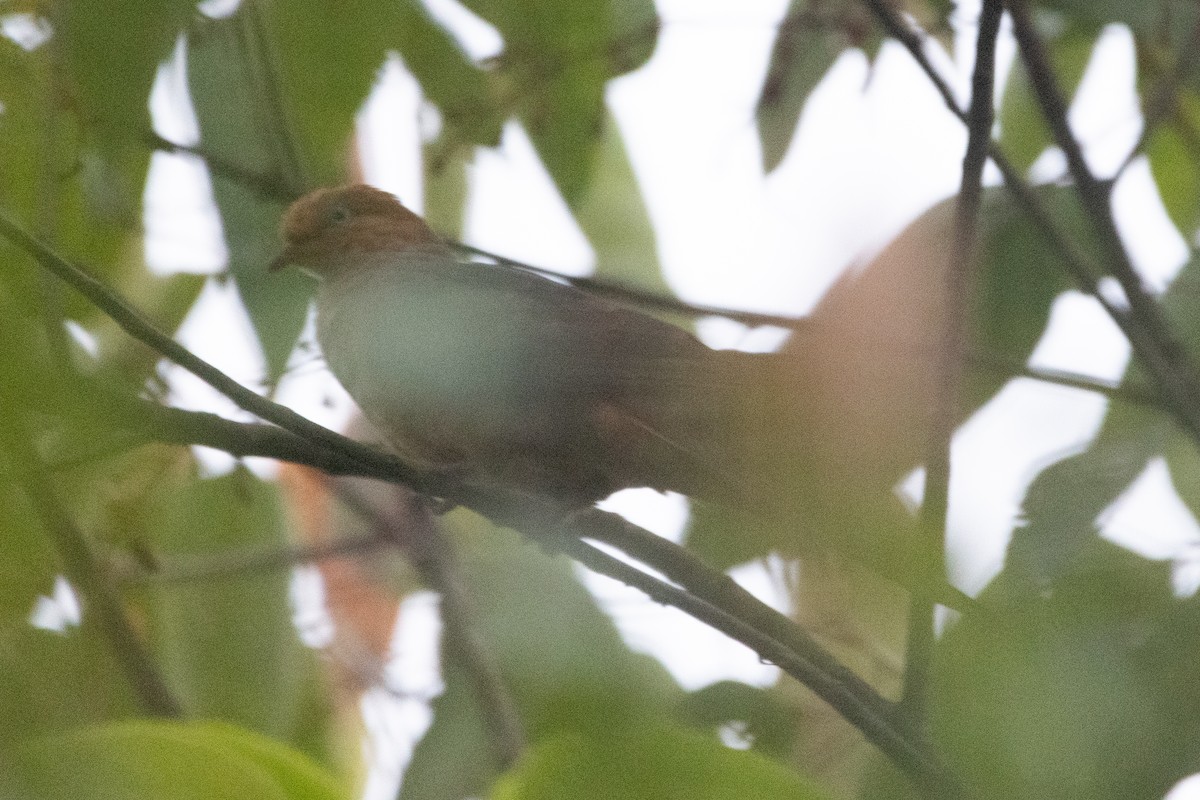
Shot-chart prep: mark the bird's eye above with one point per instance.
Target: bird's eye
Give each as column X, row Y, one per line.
column 338, row 215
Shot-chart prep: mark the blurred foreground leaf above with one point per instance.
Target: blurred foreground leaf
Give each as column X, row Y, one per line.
column 648, row 760
column 140, row 760
column 227, row 644
column 560, row 655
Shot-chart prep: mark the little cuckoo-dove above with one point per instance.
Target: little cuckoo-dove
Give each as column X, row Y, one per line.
column 509, row 377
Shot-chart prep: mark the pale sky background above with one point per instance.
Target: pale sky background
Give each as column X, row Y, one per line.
column 868, row 158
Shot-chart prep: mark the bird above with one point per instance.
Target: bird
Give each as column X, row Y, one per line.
column 509, row 378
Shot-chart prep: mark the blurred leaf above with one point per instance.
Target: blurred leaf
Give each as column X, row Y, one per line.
column 446, row 187
column 1173, row 18
column 1174, row 154
column 453, row 760
column 228, row 645
column 188, row 761
column 80, row 194
column 562, row 658
column 457, row 87
column 22, row 130
column 558, row 58
column 1063, row 504
column 564, row 117
column 164, row 299
column 349, row 42
column 1019, row 276
column 58, row 681
column 1023, row 131
column 112, row 50
column 613, row 216
column 29, row 565
column 760, row 715
column 225, row 77
column 1085, row 692
column 809, row 40
column 649, row 760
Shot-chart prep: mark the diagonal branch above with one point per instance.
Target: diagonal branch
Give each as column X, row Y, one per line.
column 428, row 549
column 137, row 326
column 1164, row 355
column 1174, row 379
column 307, row 442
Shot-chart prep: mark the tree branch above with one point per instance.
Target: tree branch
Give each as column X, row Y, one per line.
column 1157, row 345
column 319, row 446
column 1173, row 380
column 863, row 709
column 953, row 349
column 430, row 552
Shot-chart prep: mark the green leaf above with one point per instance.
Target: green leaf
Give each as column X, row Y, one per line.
column 228, row 645
column 648, row 760
column 564, row 117
column 771, row 724
column 80, row 193
column 112, row 49
column 1175, row 162
column 557, row 59
column 143, row 759
column 613, row 216
column 1083, row 692
column 1172, row 17
column 58, row 681
column 1020, row 276
column 1024, row 134
column 561, row 657
column 1064, row 503
column 805, row 48
column 329, row 56
column 456, row 86
column 239, row 126
column 28, row 567
column 164, row 299
column 446, row 187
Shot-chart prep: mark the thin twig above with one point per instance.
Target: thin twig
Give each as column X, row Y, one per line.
column 957, row 291
column 1149, row 333
column 241, row 562
column 643, row 299
column 272, row 187
column 87, row 574
column 430, row 552
column 1073, row 259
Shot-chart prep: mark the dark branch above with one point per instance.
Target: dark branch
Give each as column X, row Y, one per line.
column 1172, row 380
column 953, row 349
column 322, row 447
column 1157, row 345
column 411, row 527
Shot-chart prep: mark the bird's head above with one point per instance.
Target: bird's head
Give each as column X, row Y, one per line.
column 328, row 229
